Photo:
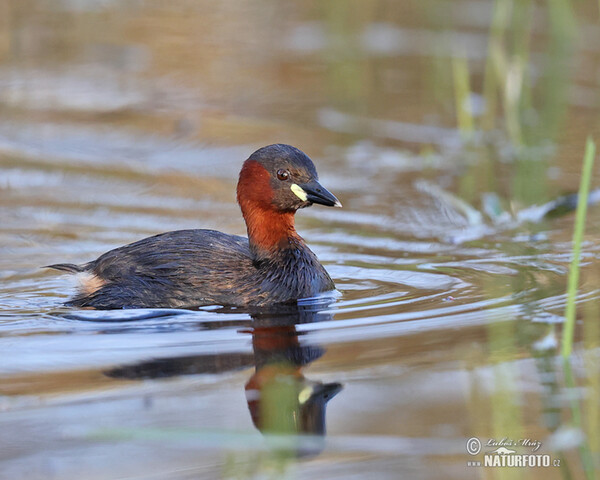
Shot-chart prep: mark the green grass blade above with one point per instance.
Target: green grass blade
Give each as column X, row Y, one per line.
column 584, row 189
column 462, row 93
column 585, row 454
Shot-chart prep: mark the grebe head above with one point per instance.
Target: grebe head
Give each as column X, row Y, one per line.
column 281, row 178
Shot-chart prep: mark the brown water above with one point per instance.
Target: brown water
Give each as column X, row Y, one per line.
column 120, row 120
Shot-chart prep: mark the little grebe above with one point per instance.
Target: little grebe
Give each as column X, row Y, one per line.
column 203, row 267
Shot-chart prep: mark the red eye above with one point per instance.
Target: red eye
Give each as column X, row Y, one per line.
column 283, row 174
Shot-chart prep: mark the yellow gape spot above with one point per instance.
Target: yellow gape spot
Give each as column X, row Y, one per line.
column 305, row 394
column 299, row 192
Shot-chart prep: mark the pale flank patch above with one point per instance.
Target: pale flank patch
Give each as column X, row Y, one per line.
column 299, row 192
column 89, row 283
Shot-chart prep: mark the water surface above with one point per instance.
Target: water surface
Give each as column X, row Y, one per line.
column 123, row 120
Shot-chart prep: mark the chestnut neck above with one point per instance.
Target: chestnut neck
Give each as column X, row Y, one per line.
column 269, row 231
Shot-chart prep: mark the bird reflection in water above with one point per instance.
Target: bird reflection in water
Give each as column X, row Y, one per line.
column 281, row 400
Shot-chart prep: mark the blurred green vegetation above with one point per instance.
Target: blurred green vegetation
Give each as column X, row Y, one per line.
column 510, row 106
column 516, row 107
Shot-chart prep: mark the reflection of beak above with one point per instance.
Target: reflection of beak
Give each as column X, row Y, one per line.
column 313, row 408
column 320, row 392
column 314, row 192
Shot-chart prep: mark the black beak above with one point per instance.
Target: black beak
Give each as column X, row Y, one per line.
column 317, row 193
